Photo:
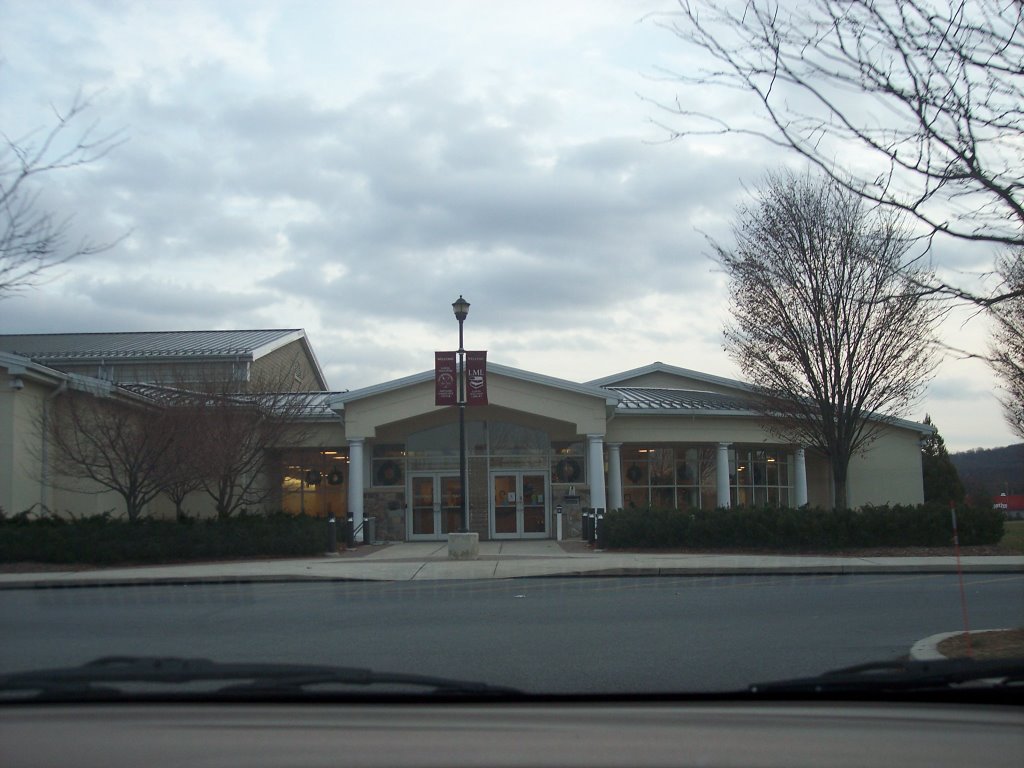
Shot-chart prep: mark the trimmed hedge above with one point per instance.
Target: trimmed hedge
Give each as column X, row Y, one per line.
column 923, row 525
column 102, row 540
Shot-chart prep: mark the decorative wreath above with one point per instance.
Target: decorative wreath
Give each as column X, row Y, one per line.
column 335, row 478
column 568, row 471
column 634, row 473
column 313, row 477
column 389, row 473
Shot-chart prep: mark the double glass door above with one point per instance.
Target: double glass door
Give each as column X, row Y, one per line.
column 436, row 505
column 519, row 505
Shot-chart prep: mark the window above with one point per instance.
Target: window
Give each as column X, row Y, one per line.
column 669, row 477
column 568, row 465
column 313, row 481
column 388, row 465
column 760, row 477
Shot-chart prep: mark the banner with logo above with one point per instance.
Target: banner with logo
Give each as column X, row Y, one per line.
column 476, row 378
column 446, row 379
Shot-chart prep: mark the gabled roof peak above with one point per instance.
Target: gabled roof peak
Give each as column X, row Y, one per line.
column 622, row 379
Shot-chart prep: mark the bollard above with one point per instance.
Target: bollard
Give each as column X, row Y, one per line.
column 585, row 524
column 332, row 536
column 599, row 534
column 558, row 523
column 350, row 532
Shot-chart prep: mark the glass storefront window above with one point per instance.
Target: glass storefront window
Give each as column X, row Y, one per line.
column 505, row 439
column 669, row 476
column 760, row 477
column 313, row 481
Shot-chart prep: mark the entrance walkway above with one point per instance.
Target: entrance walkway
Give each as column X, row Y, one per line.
column 421, row 551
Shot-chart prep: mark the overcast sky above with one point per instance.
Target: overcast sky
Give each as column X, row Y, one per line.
column 352, row 167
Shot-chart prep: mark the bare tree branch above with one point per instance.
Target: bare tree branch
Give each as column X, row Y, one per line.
column 33, row 239
column 1007, row 349
column 915, row 105
column 226, row 432
column 115, row 444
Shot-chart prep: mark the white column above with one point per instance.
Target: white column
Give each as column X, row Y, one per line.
column 722, row 471
column 595, row 458
column 356, row 464
column 614, row 476
column 799, row 477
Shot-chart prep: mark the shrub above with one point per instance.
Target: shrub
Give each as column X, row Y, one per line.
column 101, row 540
column 923, row 525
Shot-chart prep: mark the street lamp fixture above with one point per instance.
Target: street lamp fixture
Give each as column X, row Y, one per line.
column 461, row 309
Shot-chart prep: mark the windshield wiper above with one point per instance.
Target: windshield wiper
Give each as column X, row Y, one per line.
column 107, row 677
column 901, row 676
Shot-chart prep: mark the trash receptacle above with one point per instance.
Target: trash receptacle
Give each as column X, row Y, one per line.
column 369, row 530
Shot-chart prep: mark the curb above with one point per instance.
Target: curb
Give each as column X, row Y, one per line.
column 570, row 571
column 179, row 581
column 927, row 649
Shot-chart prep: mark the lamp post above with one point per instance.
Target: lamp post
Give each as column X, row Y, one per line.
column 461, row 308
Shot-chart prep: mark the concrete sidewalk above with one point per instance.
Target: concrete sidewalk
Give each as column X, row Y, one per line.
column 416, row 561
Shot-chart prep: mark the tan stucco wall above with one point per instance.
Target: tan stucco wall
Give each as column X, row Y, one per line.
column 668, row 380
column 19, row 463
column 179, row 373
column 398, row 431
column 290, row 366
column 890, row 471
column 664, row 428
column 21, row 445
column 363, row 417
column 819, row 480
column 317, row 435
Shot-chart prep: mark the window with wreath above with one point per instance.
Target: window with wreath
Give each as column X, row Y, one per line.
column 313, row 481
column 567, row 463
column 387, row 467
column 675, row 476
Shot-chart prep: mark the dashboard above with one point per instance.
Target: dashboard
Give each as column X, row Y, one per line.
column 558, row 734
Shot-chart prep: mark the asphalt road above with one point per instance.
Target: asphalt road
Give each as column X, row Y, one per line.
column 563, row 634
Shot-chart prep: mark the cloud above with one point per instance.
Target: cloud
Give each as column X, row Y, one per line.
column 352, row 168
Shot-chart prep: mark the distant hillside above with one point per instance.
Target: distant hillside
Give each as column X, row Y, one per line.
column 991, row 470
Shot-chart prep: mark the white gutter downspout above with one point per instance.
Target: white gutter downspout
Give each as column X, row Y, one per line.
column 44, row 474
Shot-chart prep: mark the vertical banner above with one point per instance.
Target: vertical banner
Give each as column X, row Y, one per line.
column 446, row 377
column 476, row 378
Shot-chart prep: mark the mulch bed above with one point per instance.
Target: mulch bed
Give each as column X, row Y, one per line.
column 987, row 551
column 1001, row 644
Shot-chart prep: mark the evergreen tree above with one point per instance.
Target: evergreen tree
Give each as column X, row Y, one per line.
column 941, row 480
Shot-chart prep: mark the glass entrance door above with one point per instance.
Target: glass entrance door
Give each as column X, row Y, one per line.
column 519, row 505
column 435, row 505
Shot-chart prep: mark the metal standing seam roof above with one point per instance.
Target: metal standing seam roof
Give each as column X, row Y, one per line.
column 662, row 398
column 147, row 344
column 314, row 405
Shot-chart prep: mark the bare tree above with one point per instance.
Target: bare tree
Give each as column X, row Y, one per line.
column 825, row 321
column 912, row 104
column 231, row 429
column 32, row 238
column 119, row 443
column 180, row 473
column 1007, row 351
